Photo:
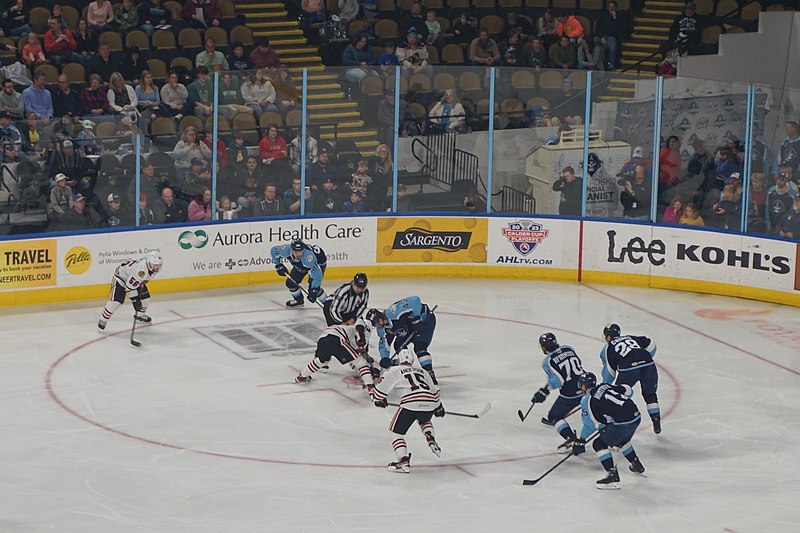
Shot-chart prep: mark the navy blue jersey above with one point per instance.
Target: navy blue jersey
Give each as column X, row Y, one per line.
column 606, row 405
column 563, row 366
column 626, row 353
column 406, row 316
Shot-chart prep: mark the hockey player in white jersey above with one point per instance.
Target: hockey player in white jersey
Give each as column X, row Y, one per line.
column 130, row 279
column 348, row 344
column 419, row 402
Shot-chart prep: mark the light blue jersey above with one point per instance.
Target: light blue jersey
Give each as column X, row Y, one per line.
column 307, row 263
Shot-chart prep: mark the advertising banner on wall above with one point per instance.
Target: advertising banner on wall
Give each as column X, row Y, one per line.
column 431, row 240
column 532, row 242
column 27, row 264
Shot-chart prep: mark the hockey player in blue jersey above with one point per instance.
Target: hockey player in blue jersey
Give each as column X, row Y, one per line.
column 305, row 259
column 629, row 359
column 562, row 366
column 410, row 322
column 609, row 410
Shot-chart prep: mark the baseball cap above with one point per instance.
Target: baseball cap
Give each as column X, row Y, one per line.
column 197, row 161
column 690, row 5
column 66, row 144
column 79, row 198
column 60, row 176
column 735, row 176
column 202, row 69
column 87, row 124
column 328, row 180
column 401, row 186
column 114, row 198
column 638, row 152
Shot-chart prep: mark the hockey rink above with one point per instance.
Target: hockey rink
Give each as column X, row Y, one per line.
column 201, row 429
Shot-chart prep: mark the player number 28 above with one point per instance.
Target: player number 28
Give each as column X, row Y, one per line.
column 624, row 348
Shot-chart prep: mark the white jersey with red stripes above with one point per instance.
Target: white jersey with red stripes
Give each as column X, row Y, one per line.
column 351, row 335
column 418, row 393
column 131, row 274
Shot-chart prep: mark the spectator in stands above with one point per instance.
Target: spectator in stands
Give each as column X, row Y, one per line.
column 327, row 199
column 11, row 101
column 122, row 98
column 227, row 210
column 514, row 24
column 483, row 50
column 789, row 151
column 126, row 17
column 637, row 158
column 386, row 115
column 563, row 54
column 202, row 13
column 296, row 152
column 474, row 202
column 86, row 139
column 287, row 95
column 571, row 189
column 237, row 151
column 674, row 211
column 670, row 163
column 727, row 212
column 146, row 215
column 15, row 20
column 291, row 198
column 87, row 41
column 61, row 128
column 434, row 29
column 321, row 169
column 570, row 26
column 779, row 200
column 201, row 98
column 116, row 214
column 263, row 55
column 728, row 165
column 535, row 55
column 189, row 147
column 568, row 106
column 258, row 93
column 230, row 97
column 413, row 55
column 757, row 206
column 153, row 13
column 701, row 162
column 590, row 56
column 269, row 204
column 405, row 203
column 612, row 28
column 94, row 98
column 360, row 180
column 58, row 14
column 388, row 58
column 175, row 96
column 348, row 10
column 32, row 52
column 200, row 206
column 61, row 198
column 37, row 99
column 380, row 168
column 691, row 217
column 219, row 145
column 149, row 99
column 358, row 56
column 148, row 184
column 789, row 225
column 168, row 209
column 464, row 29
column 448, row 115
column 414, row 19
column 10, row 139
column 236, row 59
column 100, row 15
column 78, row 169
column 547, row 28
column 511, row 51
column 635, row 195
column 102, row 63
column 355, row 204
column 252, row 176
column 60, row 45
column 314, row 11
column 33, row 140
column 211, row 57
column 272, row 146
column 80, row 217
column 133, row 65
column 686, row 28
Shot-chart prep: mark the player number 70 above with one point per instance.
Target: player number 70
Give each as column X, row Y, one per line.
column 572, row 367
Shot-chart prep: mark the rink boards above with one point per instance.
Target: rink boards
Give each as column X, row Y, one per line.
column 68, row 267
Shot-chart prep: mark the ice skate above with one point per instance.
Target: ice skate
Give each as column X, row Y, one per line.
column 294, row 303
column 142, row 317
column 402, row 466
column 656, row 424
column 102, row 323
column 300, row 378
column 637, row 468
column 546, row 422
column 610, row 482
column 433, row 445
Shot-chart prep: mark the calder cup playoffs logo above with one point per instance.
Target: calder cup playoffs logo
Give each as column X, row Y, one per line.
column 525, row 235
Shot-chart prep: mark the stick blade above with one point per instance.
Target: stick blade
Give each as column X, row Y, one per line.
column 136, row 343
column 528, row 482
column 521, row 416
column 486, row 409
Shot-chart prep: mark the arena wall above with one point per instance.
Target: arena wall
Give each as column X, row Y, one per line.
column 70, row 267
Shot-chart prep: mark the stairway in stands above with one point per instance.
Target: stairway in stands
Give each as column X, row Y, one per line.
column 327, row 103
column 650, row 32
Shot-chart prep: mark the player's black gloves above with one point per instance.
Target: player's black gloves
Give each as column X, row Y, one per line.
column 313, row 293
column 439, row 411
column 380, row 403
column 578, row 447
column 432, row 375
column 416, row 321
column 137, row 303
column 361, row 338
column 541, row 395
column 386, row 362
column 280, row 268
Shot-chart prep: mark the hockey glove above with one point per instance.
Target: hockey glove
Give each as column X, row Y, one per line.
column 313, row 293
column 280, row 268
column 541, row 395
column 416, row 321
column 439, row 411
column 386, row 362
column 578, row 447
column 137, row 303
column 381, row 403
column 361, row 338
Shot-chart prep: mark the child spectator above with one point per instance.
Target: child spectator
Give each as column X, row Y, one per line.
column 691, row 217
column 354, row 204
column 227, row 210
column 388, row 58
column 674, row 211
column 464, row 29
column 86, row 139
column 200, row 206
column 32, row 53
column 237, row 151
column 360, row 181
column 434, row 29
column 728, row 211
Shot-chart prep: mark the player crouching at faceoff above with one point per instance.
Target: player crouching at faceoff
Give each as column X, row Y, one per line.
column 305, row 259
column 410, row 322
column 562, row 366
column 609, row 410
column 419, row 402
column 348, row 344
column 130, row 278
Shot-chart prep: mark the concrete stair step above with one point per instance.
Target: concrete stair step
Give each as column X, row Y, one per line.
column 336, row 105
column 665, row 12
column 610, row 98
column 635, row 54
column 650, row 29
column 298, row 71
column 314, row 86
column 244, row 8
column 328, row 117
column 275, row 43
column 317, row 97
column 270, row 23
column 362, row 134
column 653, row 21
column 664, row 4
column 301, row 60
column 344, row 125
column 618, row 89
column 648, row 38
column 643, row 45
column 294, row 50
column 278, row 35
column 645, row 64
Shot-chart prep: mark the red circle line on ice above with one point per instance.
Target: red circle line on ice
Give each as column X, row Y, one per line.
column 61, row 403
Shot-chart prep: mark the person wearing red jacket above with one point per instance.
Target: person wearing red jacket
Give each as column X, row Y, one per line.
column 274, row 152
column 60, row 45
column 202, row 13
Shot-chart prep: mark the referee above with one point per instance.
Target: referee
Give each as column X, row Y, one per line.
column 348, row 302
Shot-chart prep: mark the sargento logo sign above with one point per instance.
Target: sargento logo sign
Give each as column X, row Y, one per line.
column 423, row 239
column 525, row 235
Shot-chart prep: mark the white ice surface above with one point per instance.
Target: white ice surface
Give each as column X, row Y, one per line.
column 183, row 434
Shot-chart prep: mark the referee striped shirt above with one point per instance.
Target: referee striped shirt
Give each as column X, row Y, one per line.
column 346, row 303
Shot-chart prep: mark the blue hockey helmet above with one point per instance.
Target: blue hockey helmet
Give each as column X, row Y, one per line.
column 548, row 342
column 611, row 330
column 297, row 245
column 587, row 380
column 360, row 280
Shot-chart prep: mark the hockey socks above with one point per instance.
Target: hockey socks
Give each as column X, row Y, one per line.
column 427, row 430
column 402, row 465
column 400, row 448
column 305, row 375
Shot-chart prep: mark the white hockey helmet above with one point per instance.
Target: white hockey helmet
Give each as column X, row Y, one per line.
column 405, row 357
column 154, row 262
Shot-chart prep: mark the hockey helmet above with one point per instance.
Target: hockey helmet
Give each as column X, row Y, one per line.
column 548, row 342
column 298, row 245
column 587, row 381
column 405, row 357
column 611, row 330
column 360, row 280
column 154, row 262
column 377, row 318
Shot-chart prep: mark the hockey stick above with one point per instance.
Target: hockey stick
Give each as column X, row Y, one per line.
column 133, row 330
column 523, row 417
column 482, row 412
column 408, row 339
column 305, row 293
column 562, row 461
